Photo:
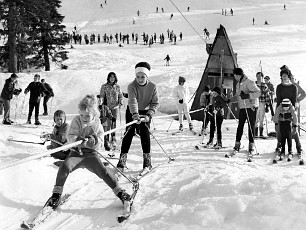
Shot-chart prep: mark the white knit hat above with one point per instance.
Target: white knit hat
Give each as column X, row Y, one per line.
column 143, row 67
column 286, row 102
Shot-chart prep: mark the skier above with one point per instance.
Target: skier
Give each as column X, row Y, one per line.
column 112, row 94
column 36, row 90
column 264, row 99
column 48, row 93
column 171, row 16
column 253, row 20
column 9, row 89
column 247, row 94
column 205, row 99
column 270, row 87
column 87, row 127
column 167, row 58
column 58, row 135
column 143, row 103
column 218, row 103
column 181, row 96
column 285, row 117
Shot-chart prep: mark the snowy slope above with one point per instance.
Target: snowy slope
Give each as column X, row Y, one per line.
column 200, row 189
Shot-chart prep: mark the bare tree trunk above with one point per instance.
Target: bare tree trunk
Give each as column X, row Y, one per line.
column 12, row 37
column 46, row 54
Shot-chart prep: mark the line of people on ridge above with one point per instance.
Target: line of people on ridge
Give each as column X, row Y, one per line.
column 38, row 89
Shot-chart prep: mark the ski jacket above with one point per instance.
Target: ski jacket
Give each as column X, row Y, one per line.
column 48, row 90
column 300, row 93
column 218, row 104
column 9, row 89
column 36, row 91
column 285, row 115
column 286, row 91
column 59, row 134
column 248, row 87
column 78, row 129
column 112, row 94
column 142, row 97
column 264, row 93
column 181, row 92
column 205, row 99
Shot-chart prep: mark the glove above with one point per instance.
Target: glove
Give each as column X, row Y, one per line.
column 181, row 101
column 80, row 138
column 135, row 116
column 46, row 136
column 244, row 95
column 92, row 140
column 144, row 118
column 114, row 119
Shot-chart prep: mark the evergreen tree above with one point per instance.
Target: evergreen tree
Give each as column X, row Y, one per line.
column 38, row 30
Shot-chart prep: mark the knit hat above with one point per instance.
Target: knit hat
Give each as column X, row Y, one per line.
column 181, row 79
column 284, row 67
column 286, row 102
column 217, row 90
column 285, row 71
column 206, row 88
column 267, row 78
column 238, row 71
column 14, row 75
column 143, row 67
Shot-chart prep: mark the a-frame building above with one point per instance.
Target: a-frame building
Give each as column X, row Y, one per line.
column 218, row 72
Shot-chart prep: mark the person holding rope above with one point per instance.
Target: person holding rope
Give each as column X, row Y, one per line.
column 143, row 102
column 181, row 95
column 9, row 89
column 58, row 135
column 48, row 93
column 247, row 94
column 205, row 99
column 86, row 127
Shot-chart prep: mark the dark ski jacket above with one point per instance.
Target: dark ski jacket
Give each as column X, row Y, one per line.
column 36, row 91
column 9, row 89
column 48, row 90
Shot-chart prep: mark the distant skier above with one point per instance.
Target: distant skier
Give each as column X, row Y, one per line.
column 86, row 127
column 284, row 6
column 205, row 99
column 232, row 12
column 206, row 33
column 138, row 13
column 171, row 16
column 156, row 9
column 48, row 93
column 101, row 6
column 162, row 10
column 253, row 20
column 188, row 8
column 167, row 58
column 266, row 22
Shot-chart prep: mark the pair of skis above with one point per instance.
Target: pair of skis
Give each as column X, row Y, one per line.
column 280, row 157
column 180, row 131
column 215, row 147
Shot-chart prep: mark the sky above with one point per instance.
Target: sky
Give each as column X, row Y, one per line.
column 201, row 189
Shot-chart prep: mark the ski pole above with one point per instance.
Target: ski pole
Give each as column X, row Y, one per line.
column 204, row 122
column 22, row 106
column 170, row 158
column 170, row 125
column 250, row 128
column 16, row 108
column 11, row 139
column 120, row 120
column 267, row 125
column 51, row 105
column 153, row 124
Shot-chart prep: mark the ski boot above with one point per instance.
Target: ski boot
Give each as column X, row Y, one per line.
column 54, row 201
column 300, row 156
column 218, row 145
column 290, row 156
column 181, row 127
column 121, row 164
column 252, row 151
column 147, row 162
column 190, row 126
column 6, row 122
column 124, row 196
column 209, row 143
column 107, row 146
column 37, row 122
column 235, row 150
column 29, row 122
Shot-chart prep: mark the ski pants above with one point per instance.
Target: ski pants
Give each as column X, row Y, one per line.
column 112, row 125
column 7, row 108
column 295, row 136
column 183, row 109
column 260, row 115
column 33, row 105
column 92, row 163
column 249, row 115
column 206, row 115
column 144, row 133
column 46, row 99
column 285, row 134
column 219, row 120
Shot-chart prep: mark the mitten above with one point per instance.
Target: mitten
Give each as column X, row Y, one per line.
column 244, row 95
column 144, row 118
column 181, row 101
column 135, row 116
column 92, row 141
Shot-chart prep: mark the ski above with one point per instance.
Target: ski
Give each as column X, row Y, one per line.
column 128, row 205
column 140, row 175
column 11, row 139
column 43, row 214
column 199, row 146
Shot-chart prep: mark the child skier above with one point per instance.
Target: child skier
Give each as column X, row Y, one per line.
column 87, row 127
column 286, row 118
column 58, row 135
column 218, row 104
column 204, row 103
column 181, row 95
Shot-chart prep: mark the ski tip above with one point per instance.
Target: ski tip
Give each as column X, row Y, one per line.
column 25, row 225
column 274, row 161
column 9, row 138
column 122, row 218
